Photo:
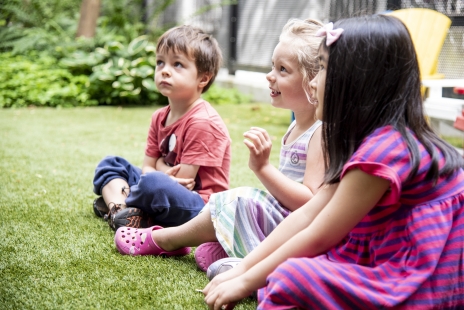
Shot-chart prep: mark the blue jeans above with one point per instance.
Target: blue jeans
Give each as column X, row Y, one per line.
column 162, row 198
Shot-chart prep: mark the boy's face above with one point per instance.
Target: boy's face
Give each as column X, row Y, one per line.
column 285, row 80
column 176, row 76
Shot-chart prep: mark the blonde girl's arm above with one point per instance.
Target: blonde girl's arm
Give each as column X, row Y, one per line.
column 288, row 192
column 355, row 196
column 294, row 195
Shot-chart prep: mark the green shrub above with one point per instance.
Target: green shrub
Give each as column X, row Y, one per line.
column 220, row 95
column 37, row 25
column 51, row 25
column 37, row 80
column 119, row 74
column 111, row 69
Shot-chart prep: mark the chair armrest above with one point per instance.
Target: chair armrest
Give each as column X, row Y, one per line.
column 436, row 86
column 443, row 108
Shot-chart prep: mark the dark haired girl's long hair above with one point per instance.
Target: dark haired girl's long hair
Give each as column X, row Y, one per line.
column 373, row 81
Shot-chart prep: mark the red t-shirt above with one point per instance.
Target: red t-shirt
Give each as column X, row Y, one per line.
column 201, row 138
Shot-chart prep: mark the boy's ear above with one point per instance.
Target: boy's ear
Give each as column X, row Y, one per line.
column 204, row 79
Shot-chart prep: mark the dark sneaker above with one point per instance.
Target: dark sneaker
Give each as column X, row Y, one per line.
column 100, row 208
column 128, row 217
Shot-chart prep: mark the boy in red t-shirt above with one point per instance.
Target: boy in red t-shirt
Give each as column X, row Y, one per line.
column 187, row 156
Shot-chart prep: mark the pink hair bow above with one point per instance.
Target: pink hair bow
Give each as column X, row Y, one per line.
column 332, row 34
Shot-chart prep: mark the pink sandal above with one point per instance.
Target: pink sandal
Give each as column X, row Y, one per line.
column 207, row 253
column 138, row 241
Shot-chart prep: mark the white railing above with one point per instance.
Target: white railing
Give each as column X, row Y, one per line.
column 438, row 107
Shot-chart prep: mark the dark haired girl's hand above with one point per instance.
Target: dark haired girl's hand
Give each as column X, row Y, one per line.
column 259, row 143
column 223, row 277
column 226, row 294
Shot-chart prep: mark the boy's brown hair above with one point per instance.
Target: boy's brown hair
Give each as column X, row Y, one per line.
column 196, row 44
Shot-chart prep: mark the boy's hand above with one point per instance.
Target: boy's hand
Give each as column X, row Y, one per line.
column 259, row 143
column 187, row 183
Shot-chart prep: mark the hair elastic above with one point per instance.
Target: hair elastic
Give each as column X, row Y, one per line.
column 332, row 34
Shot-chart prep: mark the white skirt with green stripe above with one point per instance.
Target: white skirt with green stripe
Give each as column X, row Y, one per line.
column 243, row 217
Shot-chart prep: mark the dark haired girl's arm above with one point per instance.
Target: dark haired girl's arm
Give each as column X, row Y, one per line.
column 292, row 225
column 304, row 233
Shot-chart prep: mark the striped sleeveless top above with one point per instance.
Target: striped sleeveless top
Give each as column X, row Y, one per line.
column 293, row 155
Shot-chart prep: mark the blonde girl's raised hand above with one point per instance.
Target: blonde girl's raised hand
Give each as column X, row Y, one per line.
column 259, row 143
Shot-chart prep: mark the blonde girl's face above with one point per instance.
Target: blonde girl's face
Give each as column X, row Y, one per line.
column 318, row 83
column 285, row 80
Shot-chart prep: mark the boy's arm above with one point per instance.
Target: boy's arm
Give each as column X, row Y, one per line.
column 149, row 164
column 157, row 164
column 185, row 171
column 183, row 174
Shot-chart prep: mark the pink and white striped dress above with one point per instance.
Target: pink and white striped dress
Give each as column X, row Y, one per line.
column 407, row 253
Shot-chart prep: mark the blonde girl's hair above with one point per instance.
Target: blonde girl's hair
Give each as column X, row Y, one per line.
column 305, row 45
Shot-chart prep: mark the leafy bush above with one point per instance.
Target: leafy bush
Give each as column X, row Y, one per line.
column 37, row 25
column 119, row 74
column 112, row 68
column 36, row 79
column 51, row 26
column 220, row 95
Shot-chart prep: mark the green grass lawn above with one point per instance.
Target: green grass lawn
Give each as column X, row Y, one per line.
column 54, row 253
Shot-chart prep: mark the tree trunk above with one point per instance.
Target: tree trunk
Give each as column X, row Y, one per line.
column 90, row 10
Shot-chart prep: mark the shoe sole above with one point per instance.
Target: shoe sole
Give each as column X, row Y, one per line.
column 130, row 217
column 207, row 253
column 100, row 208
column 221, row 266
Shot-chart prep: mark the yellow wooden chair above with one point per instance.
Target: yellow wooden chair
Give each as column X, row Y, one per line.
column 428, row 29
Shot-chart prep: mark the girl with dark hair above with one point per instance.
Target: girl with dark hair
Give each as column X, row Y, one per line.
column 387, row 228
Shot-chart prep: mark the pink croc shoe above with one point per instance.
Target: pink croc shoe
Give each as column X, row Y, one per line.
column 138, row 241
column 207, row 253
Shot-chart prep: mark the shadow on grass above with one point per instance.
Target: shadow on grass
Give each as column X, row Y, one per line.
column 55, row 254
